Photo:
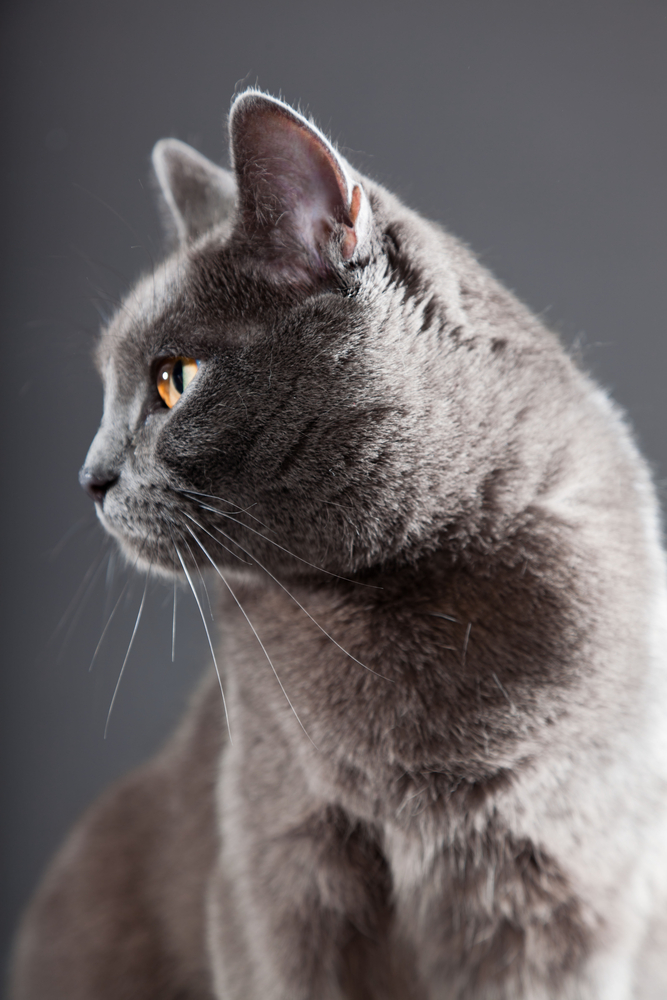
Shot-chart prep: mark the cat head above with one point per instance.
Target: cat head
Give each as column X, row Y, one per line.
column 314, row 369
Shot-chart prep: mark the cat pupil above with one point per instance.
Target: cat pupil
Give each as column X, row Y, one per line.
column 178, row 376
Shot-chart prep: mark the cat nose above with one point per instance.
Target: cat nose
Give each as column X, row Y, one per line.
column 96, row 483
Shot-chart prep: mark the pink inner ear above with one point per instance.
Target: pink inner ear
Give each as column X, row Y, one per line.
column 290, row 179
column 318, row 193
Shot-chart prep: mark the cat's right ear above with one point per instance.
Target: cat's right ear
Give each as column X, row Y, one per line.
column 198, row 194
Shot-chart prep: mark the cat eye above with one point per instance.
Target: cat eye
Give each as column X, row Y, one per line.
column 173, row 378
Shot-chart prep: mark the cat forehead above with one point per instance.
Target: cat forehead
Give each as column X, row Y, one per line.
column 200, row 292
column 143, row 307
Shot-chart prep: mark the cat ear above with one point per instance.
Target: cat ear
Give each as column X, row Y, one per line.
column 197, row 192
column 298, row 197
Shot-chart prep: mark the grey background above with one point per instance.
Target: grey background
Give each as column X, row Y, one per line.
column 534, row 130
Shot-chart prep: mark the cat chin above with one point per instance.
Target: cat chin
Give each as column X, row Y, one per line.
column 150, row 558
column 157, row 558
column 144, row 554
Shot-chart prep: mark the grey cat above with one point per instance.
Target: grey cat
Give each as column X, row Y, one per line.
column 440, row 768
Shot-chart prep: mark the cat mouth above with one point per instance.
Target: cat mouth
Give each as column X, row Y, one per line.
column 167, row 538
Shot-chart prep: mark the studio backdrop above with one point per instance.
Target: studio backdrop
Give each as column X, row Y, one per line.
column 533, row 129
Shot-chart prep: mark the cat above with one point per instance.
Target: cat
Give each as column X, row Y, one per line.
column 433, row 762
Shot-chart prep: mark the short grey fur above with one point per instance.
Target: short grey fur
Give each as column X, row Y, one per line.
column 443, row 771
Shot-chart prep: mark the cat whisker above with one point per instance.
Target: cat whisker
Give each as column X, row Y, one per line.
column 109, row 620
column 81, row 589
column 115, row 607
column 108, row 583
column 217, row 540
column 208, row 636
column 465, row 645
column 124, row 221
column 437, row 614
column 173, row 626
column 105, row 205
column 333, row 503
column 254, row 631
column 203, row 582
column 142, row 246
column 221, row 544
column 149, row 240
column 90, row 522
column 503, row 691
column 81, row 597
column 110, row 299
column 239, row 509
column 104, row 316
column 93, row 262
column 127, row 655
column 289, row 594
column 282, row 548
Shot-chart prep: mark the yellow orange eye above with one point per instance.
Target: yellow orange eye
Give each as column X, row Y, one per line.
column 174, row 377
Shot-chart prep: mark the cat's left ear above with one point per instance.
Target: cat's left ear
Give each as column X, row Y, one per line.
column 198, row 193
column 300, row 204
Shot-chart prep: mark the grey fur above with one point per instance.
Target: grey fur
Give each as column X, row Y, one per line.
column 456, row 572
column 197, row 193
